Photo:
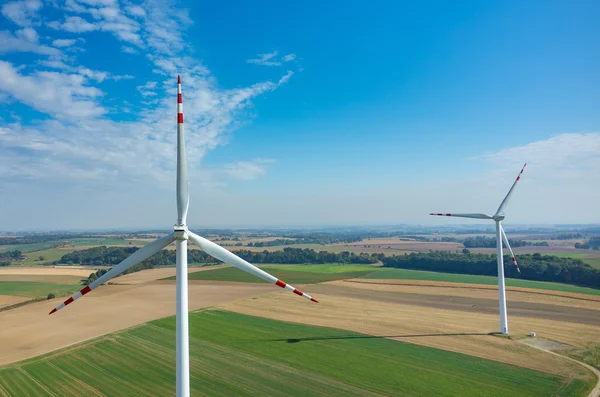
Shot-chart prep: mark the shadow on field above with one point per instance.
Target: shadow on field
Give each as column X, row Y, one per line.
column 293, row 340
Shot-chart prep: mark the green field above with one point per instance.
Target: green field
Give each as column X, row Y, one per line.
column 239, row 355
column 593, row 262
column 77, row 242
column 29, row 289
column 293, row 274
column 405, row 274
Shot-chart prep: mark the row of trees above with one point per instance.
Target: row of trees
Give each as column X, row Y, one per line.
column 533, row 267
column 592, row 243
column 39, row 238
column 112, row 255
column 490, row 242
column 313, row 239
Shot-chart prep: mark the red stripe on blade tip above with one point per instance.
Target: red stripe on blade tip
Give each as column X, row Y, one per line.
column 53, row 311
column 179, row 118
column 178, row 79
column 298, row 292
column 314, row 300
column 69, row 301
column 280, row 283
column 179, row 98
column 85, row 290
column 448, row 214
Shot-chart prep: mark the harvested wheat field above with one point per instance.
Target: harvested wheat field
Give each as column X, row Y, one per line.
column 29, row 331
column 9, row 300
column 46, row 271
column 430, row 322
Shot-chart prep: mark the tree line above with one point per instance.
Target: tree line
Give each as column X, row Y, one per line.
column 490, row 242
column 533, row 267
column 592, row 243
column 113, row 255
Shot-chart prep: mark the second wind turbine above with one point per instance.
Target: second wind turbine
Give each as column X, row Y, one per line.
column 500, row 236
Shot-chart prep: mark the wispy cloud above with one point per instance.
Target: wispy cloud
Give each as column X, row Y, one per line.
column 289, row 57
column 23, row 43
column 247, row 170
column 22, row 12
column 267, row 59
column 63, row 42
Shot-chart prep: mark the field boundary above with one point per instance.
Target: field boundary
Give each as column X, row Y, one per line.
column 439, row 284
column 595, row 392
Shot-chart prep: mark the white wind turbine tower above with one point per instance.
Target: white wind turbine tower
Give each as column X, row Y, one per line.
column 500, row 236
column 180, row 235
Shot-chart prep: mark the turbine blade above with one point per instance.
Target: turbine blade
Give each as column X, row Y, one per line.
column 512, row 256
column 138, row 256
column 223, row 255
column 507, row 198
column 474, row 216
column 183, row 198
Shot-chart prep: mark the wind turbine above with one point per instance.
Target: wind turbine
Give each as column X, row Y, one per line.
column 181, row 235
column 500, row 236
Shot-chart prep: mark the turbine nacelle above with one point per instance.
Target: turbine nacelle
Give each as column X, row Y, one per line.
column 499, row 218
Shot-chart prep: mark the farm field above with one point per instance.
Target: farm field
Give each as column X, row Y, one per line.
column 293, row 274
column 309, row 274
column 30, row 289
column 235, row 354
column 70, row 243
column 405, row 274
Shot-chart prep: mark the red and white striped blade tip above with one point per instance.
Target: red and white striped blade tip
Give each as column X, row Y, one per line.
column 72, row 299
column 295, row 291
column 431, row 213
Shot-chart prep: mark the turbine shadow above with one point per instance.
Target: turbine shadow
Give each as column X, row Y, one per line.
column 297, row 340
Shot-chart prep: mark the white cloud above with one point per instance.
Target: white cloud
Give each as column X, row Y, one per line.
column 265, row 59
column 128, row 50
column 21, row 12
column 58, row 94
column 28, row 34
column 147, row 89
column 63, row 42
column 289, row 57
column 136, row 11
column 10, row 43
column 75, row 25
column 247, row 170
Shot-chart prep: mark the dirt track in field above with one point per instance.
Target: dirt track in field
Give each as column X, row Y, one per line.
column 29, row 331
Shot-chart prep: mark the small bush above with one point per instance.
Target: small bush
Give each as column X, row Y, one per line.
column 51, row 296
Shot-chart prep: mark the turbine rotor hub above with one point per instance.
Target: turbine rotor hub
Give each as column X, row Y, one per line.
column 181, row 232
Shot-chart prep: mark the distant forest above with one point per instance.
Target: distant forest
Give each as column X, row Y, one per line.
column 533, row 267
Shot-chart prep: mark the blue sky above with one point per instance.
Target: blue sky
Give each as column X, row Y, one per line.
column 305, row 113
